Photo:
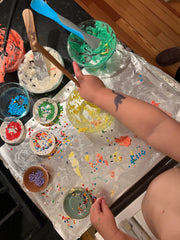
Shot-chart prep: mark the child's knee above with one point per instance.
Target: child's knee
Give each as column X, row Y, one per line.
column 149, row 198
column 159, row 187
column 162, row 191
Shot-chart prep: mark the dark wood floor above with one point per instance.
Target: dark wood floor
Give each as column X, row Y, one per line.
column 148, row 27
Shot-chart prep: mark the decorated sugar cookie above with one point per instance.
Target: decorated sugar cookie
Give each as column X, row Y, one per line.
column 45, row 110
column 42, row 142
column 12, row 132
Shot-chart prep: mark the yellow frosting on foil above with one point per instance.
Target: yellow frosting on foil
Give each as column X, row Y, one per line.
column 74, row 164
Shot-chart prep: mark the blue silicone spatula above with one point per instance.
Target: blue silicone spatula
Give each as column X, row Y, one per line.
column 44, row 9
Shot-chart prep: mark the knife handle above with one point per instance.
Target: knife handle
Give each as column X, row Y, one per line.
column 30, row 27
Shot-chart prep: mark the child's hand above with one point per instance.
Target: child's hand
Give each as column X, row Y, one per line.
column 103, row 220
column 89, row 84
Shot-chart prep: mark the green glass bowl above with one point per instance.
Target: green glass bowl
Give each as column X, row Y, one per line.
column 83, row 54
column 14, row 101
column 77, row 203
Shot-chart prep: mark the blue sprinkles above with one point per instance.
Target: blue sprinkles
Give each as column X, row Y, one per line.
column 18, row 105
column 134, row 158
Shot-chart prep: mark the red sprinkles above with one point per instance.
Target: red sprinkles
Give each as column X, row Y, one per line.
column 13, row 130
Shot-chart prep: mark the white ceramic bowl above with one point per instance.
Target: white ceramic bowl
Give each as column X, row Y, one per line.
column 27, row 73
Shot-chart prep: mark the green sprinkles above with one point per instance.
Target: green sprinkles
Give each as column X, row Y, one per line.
column 47, row 110
column 60, row 110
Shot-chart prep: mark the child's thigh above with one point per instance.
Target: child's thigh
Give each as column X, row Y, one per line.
column 161, row 205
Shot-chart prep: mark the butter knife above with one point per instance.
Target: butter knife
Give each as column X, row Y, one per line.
column 40, row 65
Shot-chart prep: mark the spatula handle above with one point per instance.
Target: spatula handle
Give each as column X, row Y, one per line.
column 30, row 27
column 43, row 8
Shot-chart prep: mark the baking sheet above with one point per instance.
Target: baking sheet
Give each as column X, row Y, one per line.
column 95, row 161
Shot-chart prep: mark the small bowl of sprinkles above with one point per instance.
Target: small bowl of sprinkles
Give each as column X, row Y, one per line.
column 45, row 110
column 77, row 203
column 42, row 142
column 83, row 54
column 12, row 132
column 14, row 101
column 36, row 178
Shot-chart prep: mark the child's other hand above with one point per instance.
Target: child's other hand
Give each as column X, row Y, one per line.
column 103, row 220
column 89, row 84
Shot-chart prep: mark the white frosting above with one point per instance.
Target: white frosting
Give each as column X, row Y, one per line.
column 27, row 73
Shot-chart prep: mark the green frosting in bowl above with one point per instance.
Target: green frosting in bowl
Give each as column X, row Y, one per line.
column 83, row 54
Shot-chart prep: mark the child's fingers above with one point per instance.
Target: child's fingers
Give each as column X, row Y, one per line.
column 77, row 72
column 96, row 207
column 104, row 206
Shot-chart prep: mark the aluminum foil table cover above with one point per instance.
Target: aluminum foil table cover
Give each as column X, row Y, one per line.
column 95, row 161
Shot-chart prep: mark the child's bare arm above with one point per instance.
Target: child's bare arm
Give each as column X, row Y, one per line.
column 145, row 120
